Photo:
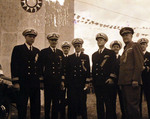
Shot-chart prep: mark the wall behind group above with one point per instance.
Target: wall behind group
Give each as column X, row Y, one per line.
column 51, row 17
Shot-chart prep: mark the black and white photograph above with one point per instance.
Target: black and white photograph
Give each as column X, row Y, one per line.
column 74, row 59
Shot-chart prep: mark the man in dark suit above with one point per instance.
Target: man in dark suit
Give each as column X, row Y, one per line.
column 146, row 73
column 50, row 60
column 24, row 73
column 116, row 46
column 131, row 66
column 103, row 77
column 63, row 100
column 78, row 70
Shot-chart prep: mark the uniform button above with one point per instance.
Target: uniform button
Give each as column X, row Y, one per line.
column 35, row 67
column 53, row 63
column 96, row 68
column 58, row 72
column 74, row 75
column 96, row 64
column 80, row 66
column 35, row 73
column 74, row 70
column 53, row 72
column 80, row 70
column 29, row 67
column 53, row 67
column 28, row 61
column 101, row 73
column 96, row 74
column 28, row 73
column 74, row 66
column 58, row 63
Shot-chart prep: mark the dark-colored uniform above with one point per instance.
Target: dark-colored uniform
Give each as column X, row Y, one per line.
column 63, row 100
column 24, row 65
column 78, row 69
column 51, row 69
column 131, row 66
column 118, row 90
column 146, row 79
column 102, row 69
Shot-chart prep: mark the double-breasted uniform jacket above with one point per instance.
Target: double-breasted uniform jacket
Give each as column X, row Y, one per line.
column 24, row 65
column 78, row 69
column 103, row 66
column 117, row 68
column 146, row 71
column 131, row 64
column 51, row 66
column 64, row 67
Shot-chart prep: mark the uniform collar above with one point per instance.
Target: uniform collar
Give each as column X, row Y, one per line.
column 28, row 46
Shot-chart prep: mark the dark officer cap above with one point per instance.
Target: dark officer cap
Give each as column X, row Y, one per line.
column 126, row 30
column 102, row 35
column 29, row 32
column 116, row 42
column 53, row 35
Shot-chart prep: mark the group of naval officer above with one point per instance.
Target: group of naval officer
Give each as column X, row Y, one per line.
column 62, row 75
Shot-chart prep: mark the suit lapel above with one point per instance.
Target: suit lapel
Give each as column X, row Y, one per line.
column 127, row 47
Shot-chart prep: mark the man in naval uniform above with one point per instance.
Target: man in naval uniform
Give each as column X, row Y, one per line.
column 103, row 74
column 24, row 73
column 131, row 67
column 116, row 46
column 50, row 60
column 146, row 73
column 63, row 100
column 78, row 70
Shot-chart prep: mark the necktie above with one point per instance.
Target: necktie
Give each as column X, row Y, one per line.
column 54, row 50
column 77, row 55
column 100, row 51
column 30, row 48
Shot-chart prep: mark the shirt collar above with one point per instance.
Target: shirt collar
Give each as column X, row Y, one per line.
column 101, row 50
column 28, row 46
column 117, row 55
column 78, row 54
column 65, row 55
column 144, row 52
column 52, row 48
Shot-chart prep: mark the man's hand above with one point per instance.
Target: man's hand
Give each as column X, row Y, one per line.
column 17, row 86
column 109, row 81
column 135, row 84
column 41, row 78
column 86, row 86
column 62, row 86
